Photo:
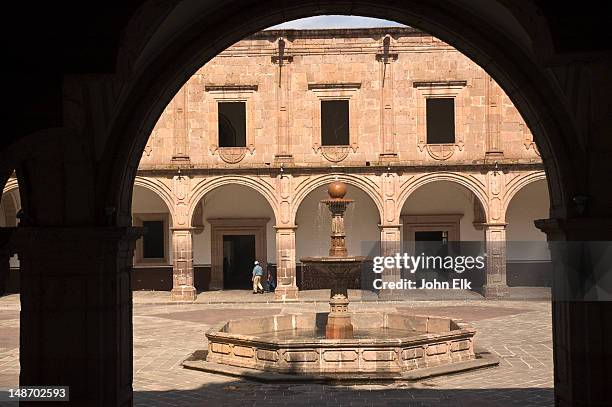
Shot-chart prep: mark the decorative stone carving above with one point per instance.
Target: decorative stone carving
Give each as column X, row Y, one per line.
column 335, row 154
column 181, row 187
column 440, row 151
column 231, row 155
column 181, row 213
column 528, row 140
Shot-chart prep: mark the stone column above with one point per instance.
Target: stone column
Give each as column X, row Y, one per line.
column 390, row 244
column 76, row 311
column 582, row 333
column 182, row 265
column 495, row 285
column 286, row 285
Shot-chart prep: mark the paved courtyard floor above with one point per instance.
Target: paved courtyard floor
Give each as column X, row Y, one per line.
column 518, row 331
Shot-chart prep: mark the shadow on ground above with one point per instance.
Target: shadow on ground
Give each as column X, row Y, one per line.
column 253, row 393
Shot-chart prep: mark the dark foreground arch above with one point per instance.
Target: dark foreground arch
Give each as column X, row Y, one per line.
column 76, row 252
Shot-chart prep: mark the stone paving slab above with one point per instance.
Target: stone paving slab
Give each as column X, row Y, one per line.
column 212, row 318
column 518, row 332
column 466, row 312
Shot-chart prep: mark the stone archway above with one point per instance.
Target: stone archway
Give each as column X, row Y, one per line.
column 159, row 189
column 367, row 186
column 446, row 212
column 518, row 184
column 152, row 209
column 313, row 224
column 153, row 70
column 224, row 215
column 204, row 186
column 490, row 43
column 476, row 188
column 528, row 255
column 10, row 204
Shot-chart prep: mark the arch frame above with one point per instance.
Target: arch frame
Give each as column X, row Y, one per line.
column 159, row 189
column 517, row 185
column 360, row 182
column 477, row 190
column 205, row 186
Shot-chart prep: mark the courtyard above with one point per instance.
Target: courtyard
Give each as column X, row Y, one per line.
column 165, row 333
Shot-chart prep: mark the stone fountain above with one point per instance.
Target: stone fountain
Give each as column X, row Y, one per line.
column 339, row 346
column 338, row 268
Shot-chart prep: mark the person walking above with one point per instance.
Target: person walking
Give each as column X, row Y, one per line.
column 257, row 274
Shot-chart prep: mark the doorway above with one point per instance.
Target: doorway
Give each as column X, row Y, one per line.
column 245, row 240
column 238, row 259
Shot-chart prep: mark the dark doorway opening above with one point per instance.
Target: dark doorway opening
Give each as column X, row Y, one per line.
column 433, row 244
column 238, row 259
column 431, row 236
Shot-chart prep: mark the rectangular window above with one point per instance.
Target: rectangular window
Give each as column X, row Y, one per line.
column 153, row 239
column 232, row 124
column 334, row 122
column 440, row 120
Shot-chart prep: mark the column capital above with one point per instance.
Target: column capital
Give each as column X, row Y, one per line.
column 183, row 229
column 285, row 227
column 494, row 225
column 586, row 229
column 382, row 226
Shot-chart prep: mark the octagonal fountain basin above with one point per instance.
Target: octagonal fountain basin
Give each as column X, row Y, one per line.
column 384, row 346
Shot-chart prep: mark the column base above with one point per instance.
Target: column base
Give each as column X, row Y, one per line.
column 186, row 293
column 497, row 291
column 286, row 293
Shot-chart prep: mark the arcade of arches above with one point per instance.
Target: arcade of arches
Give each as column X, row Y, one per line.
column 76, row 135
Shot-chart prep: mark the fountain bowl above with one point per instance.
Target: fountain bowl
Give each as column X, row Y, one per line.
column 386, row 345
column 325, row 272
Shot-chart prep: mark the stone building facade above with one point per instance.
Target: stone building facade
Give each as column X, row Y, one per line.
column 425, row 139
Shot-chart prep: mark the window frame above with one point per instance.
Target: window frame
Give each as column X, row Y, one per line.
column 231, row 93
column 138, row 220
column 454, row 119
column 246, row 127
column 348, row 106
column 335, row 91
column 440, row 89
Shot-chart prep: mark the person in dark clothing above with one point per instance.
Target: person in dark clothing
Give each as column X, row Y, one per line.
column 270, row 282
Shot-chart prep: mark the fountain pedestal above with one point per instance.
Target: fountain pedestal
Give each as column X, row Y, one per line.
column 339, row 320
column 338, row 266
